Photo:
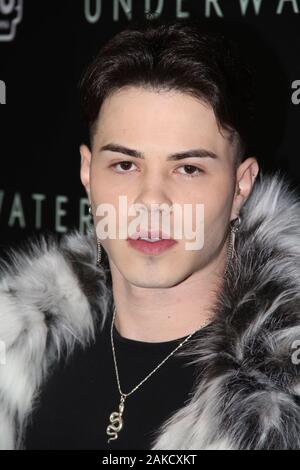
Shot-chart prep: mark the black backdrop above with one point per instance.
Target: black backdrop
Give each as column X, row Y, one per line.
column 44, row 47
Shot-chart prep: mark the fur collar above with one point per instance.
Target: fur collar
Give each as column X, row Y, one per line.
column 52, row 294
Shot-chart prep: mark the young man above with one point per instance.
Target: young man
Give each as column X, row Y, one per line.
column 136, row 343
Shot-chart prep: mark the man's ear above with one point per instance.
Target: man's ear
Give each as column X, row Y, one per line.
column 246, row 175
column 85, row 167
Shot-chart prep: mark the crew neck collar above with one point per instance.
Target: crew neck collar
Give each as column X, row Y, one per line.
column 133, row 343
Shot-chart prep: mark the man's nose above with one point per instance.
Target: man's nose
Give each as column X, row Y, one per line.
column 154, row 195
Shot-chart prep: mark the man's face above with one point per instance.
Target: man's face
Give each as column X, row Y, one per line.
column 158, row 124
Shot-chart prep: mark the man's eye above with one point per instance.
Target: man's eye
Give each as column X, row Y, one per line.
column 190, row 170
column 125, row 165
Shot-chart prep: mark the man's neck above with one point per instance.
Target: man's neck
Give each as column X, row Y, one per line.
column 165, row 314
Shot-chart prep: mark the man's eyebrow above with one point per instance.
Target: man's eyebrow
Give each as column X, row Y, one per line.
column 193, row 153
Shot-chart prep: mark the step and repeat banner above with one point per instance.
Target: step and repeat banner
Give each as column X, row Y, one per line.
column 44, row 47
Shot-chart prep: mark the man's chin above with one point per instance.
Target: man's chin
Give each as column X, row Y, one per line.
column 158, row 280
column 147, row 284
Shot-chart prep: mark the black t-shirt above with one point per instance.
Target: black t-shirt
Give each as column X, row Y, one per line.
column 78, row 397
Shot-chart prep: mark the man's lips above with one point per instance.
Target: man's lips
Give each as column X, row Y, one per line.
column 151, row 247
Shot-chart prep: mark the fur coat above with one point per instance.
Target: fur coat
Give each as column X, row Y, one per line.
column 52, row 293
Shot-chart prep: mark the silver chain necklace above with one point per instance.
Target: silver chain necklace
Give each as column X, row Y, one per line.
column 116, row 417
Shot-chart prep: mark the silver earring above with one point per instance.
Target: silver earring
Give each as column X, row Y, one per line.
column 234, row 228
column 99, row 248
column 99, row 253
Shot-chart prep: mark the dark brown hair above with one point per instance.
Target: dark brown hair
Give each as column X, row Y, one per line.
column 181, row 55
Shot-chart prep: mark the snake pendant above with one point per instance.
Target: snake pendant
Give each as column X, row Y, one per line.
column 116, row 421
